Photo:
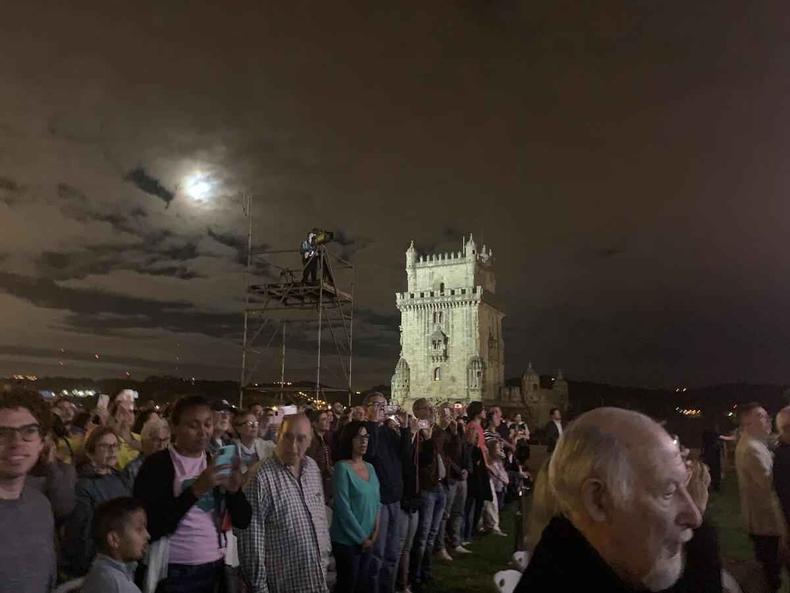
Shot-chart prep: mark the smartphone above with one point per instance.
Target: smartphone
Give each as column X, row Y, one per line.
column 391, row 410
column 225, row 456
column 423, row 424
column 103, row 401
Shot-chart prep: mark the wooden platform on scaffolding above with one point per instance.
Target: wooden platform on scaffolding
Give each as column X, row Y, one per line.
column 295, row 296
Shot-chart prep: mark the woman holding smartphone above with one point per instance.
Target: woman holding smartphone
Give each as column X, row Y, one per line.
column 188, row 498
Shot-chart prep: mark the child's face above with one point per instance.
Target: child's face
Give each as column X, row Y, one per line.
column 135, row 538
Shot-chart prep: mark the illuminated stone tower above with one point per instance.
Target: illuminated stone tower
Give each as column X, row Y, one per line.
column 451, row 328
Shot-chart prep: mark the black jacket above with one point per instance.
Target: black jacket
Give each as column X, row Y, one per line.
column 564, row 562
column 703, row 563
column 458, row 453
column 154, row 487
column 552, row 435
column 92, row 489
column 386, row 451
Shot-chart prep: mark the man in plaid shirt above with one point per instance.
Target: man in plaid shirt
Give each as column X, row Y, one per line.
column 286, row 545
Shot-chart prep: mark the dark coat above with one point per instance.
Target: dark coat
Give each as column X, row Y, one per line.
column 428, row 458
column 386, row 451
column 92, row 489
column 154, row 487
column 564, row 562
column 703, row 563
column 479, row 483
column 552, row 435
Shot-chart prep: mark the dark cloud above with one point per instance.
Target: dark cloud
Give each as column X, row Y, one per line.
column 8, row 184
column 383, row 321
column 84, row 358
column 609, row 252
column 140, row 178
column 100, row 312
column 350, row 245
column 68, row 192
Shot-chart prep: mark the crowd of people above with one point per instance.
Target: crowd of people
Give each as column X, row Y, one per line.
column 203, row 497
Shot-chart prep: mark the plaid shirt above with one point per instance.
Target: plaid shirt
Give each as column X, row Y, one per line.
column 282, row 549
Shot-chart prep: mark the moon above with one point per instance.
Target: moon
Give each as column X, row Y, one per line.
column 199, row 186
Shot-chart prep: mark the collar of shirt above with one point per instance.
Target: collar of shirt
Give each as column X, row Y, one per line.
column 287, row 468
column 111, row 563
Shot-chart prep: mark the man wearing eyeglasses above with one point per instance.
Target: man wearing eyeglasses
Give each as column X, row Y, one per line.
column 386, row 452
column 28, row 565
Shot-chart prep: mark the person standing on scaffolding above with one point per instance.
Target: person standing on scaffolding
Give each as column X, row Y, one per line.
column 311, row 258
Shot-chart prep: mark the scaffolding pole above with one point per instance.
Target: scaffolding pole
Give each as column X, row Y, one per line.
column 292, row 300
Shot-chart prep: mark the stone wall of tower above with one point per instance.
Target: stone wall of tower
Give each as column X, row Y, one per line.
column 451, row 331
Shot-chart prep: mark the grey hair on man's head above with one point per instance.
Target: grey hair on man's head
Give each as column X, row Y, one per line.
column 601, row 444
column 153, row 426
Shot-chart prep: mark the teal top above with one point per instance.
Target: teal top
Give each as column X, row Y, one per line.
column 356, row 505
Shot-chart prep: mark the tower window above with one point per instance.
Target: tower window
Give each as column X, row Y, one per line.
column 441, row 287
column 437, row 374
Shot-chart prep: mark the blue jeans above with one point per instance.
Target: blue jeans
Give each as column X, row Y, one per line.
column 409, row 520
column 432, row 504
column 351, row 563
column 386, row 550
column 188, row 578
column 452, row 518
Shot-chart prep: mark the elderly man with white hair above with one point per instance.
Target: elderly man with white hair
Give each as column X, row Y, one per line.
column 154, row 436
column 626, row 513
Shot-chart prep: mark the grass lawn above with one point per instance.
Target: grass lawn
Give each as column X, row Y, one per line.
column 475, row 572
column 724, row 510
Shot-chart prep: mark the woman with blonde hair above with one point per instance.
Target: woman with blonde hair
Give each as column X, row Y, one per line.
column 121, row 420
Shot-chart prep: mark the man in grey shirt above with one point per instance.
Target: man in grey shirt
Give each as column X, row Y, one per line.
column 27, row 564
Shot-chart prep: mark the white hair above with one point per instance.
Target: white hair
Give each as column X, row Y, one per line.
column 600, row 445
column 152, row 427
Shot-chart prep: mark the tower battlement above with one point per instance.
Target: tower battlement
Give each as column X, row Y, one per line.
column 440, row 272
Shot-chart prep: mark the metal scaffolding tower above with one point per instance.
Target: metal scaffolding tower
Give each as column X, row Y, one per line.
column 285, row 301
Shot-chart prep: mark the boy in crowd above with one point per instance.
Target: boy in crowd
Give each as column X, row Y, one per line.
column 121, row 536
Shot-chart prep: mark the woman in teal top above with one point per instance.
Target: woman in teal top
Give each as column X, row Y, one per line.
column 355, row 522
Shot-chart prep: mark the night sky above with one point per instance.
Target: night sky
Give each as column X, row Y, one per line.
column 625, row 160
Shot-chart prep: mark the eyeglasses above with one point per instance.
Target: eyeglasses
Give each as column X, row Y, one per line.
column 376, row 404
column 362, row 437
column 29, row 432
column 250, row 423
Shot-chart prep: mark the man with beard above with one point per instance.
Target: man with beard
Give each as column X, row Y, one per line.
column 621, row 486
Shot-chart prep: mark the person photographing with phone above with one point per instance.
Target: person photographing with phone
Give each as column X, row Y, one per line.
column 386, row 452
column 191, row 499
